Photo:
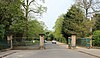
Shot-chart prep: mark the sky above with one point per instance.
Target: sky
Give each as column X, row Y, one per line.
column 54, row 9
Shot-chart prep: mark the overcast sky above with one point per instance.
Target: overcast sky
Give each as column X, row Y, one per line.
column 54, row 9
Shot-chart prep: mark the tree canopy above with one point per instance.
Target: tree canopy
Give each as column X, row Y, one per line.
column 14, row 16
column 73, row 22
column 58, row 27
column 97, row 22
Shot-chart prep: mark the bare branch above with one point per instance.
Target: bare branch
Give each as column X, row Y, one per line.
column 23, row 4
column 94, row 12
column 33, row 11
column 31, row 2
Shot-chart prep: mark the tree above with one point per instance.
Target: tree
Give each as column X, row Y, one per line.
column 31, row 6
column 97, row 22
column 18, row 27
column 75, row 23
column 58, row 27
column 2, row 31
column 87, row 5
column 96, row 37
column 35, row 28
column 9, row 12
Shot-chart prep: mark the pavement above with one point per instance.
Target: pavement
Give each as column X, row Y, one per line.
column 6, row 53
column 91, row 51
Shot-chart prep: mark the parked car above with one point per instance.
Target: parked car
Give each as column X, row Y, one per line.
column 53, row 42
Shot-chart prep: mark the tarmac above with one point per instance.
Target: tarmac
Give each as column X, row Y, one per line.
column 91, row 51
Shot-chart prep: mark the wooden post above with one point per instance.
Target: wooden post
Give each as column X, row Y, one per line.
column 41, row 41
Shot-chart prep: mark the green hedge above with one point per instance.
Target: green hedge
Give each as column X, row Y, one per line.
column 2, row 31
column 61, row 39
column 96, row 37
column 25, row 43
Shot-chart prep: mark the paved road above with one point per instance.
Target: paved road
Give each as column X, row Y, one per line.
column 51, row 51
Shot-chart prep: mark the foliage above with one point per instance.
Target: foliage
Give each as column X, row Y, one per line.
column 58, row 26
column 50, row 35
column 88, row 5
column 9, row 12
column 47, row 32
column 2, row 31
column 35, row 28
column 15, row 18
column 35, row 9
column 97, row 22
column 96, row 37
column 33, row 6
column 58, row 29
column 18, row 26
column 26, row 43
column 75, row 22
column 12, row 14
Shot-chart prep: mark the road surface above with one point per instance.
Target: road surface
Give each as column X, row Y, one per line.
column 51, row 51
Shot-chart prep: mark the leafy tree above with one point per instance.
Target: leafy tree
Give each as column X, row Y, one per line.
column 12, row 14
column 2, row 31
column 58, row 27
column 72, row 20
column 18, row 27
column 96, row 37
column 9, row 12
column 31, row 6
column 13, row 20
column 89, row 4
column 97, row 22
column 35, row 28
column 75, row 23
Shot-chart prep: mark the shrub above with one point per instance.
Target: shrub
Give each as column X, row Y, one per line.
column 96, row 37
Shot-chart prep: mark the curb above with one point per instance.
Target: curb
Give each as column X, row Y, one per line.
column 89, row 54
column 3, row 50
column 6, row 54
